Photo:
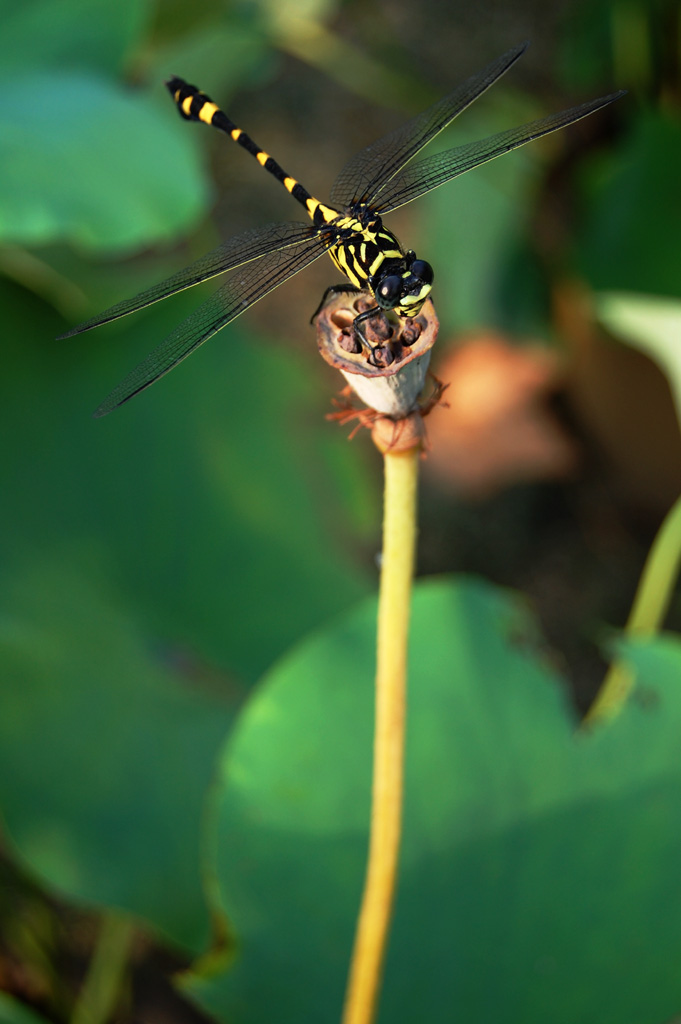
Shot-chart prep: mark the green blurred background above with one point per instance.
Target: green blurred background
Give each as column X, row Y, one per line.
column 157, row 562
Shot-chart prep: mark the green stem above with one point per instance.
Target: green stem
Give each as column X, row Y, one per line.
column 647, row 613
column 101, row 988
column 394, row 600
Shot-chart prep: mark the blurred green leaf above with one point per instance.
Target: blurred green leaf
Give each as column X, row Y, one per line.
column 106, row 754
column 619, row 42
column 218, row 56
column 628, row 240
column 539, row 877
column 105, row 170
column 73, row 34
column 652, row 324
column 584, row 57
column 656, row 663
column 285, row 13
column 213, row 495
column 14, row 1012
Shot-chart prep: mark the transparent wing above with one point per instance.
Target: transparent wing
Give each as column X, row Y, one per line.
column 363, row 176
column 246, row 286
column 427, row 174
column 243, row 248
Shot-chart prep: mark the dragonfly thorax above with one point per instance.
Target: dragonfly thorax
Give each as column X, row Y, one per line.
column 371, row 257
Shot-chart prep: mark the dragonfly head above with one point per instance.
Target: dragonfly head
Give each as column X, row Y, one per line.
column 404, row 287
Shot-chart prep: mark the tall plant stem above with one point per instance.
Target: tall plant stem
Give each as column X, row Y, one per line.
column 102, row 986
column 647, row 612
column 397, row 568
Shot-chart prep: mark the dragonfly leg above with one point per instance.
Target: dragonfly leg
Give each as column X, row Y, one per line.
column 333, row 289
column 375, row 346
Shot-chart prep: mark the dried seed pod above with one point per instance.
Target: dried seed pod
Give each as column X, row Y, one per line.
column 401, row 349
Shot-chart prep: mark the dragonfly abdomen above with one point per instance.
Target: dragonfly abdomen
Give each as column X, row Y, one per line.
column 195, row 105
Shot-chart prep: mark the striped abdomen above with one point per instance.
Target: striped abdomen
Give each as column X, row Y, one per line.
column 196, row 106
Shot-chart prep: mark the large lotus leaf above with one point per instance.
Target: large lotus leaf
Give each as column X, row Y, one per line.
column 539, row 872
column 189, row 536
column 84, row 160
column 73, row 34
column 223, row 503
column 106, row 751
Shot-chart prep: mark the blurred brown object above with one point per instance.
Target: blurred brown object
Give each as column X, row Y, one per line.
column 495, row 428
column 623, row 403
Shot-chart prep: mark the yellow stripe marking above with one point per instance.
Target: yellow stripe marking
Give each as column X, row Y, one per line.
column 376, row 264
column 186, row 104
column 327, row 213
column 342, row 260
column 358, row 272
column 262, row 157
column 235, row 133
column 340, row 257
column 206, row 112
column 290, row 183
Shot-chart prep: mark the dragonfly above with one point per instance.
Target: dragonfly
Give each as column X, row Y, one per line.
column 349, row 228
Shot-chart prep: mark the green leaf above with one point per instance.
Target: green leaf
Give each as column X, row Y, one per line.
column 628, row 237
column 106, row 752
column 194, row 534
column 650, row 323
column 539, row 877
column 656, row 663
column 14, row 1012
column 85, row 161
column 73, row 34
column 221, row 498
column 286, row 19
column 218, row 56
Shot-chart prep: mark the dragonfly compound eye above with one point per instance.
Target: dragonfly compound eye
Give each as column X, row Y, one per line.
column 422, row 271
column 389, row 291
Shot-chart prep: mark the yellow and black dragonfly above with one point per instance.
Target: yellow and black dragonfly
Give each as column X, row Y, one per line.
column 349, row 228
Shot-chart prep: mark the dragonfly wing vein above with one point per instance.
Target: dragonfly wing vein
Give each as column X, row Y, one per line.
column 247, row 286
column 364, row 175
column 236, row 251
column 428, row 174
